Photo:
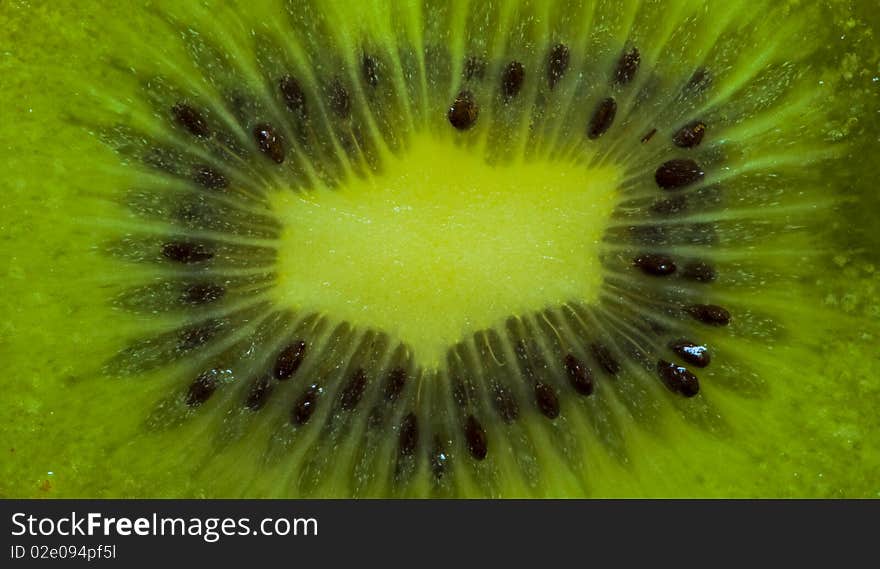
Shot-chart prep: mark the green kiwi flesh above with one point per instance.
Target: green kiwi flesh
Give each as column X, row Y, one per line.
column 572, row 249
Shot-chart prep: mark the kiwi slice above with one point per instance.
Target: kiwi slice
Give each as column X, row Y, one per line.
column 449, row 249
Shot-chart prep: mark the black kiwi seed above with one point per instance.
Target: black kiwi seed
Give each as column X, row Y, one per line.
column 190, row 119
column 352, row 393
column 690, row 135
column 678, row 173
column 294, row 96
column 209, row 178
column 605, row 359
column 289, row 360
column 512, row 79
column 474, row 68
column 648, row 135
column 547, row 401
column 340, row 102
column 186, row 253
column 201, row 388
column 557, row 64
column 655, row 265
column 505, row 404
column 409, row 434
column 202, row 293
column 691, row 352
column 439, row 457
column 370, row 69
column 475, row 437
column 394, row 384
column 579, row 375
column 602, row 118
column 304, row 408
column 678, row 379
column 711, row 314
column 464, row 111
column 699, row 271
column 269, row 142
column 627, row 66
column 258, row 393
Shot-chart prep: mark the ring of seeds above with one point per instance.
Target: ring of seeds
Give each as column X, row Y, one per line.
column 540, row 365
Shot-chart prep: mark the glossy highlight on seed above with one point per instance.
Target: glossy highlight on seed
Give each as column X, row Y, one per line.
column 464, row 111
column 305, row 406
column 691, row 352
column 439, row 458
column 269, row 142
column 678, row 379
column 655, row 265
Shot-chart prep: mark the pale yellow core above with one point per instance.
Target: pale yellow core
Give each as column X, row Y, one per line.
column 441, row 245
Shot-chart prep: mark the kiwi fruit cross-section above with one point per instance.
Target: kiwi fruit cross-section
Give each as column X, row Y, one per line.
column 441, row 249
